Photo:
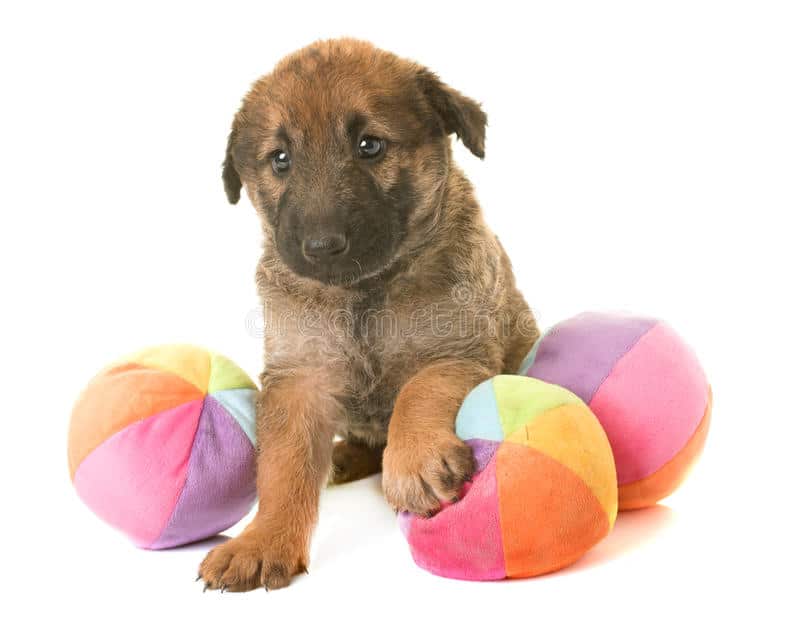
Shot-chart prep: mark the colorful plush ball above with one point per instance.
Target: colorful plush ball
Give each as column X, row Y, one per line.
column 162, row 445
column 544, row 490
column 646, row 387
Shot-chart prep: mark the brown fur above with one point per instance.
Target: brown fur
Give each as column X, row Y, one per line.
column 382, row 355
column 354, row 460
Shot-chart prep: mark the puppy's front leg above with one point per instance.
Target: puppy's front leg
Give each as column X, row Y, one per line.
column 295, row 437
column 424, row 462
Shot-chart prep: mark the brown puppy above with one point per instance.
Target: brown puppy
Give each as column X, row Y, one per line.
column 386, row 297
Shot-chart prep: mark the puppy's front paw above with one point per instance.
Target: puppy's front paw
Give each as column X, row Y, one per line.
column 424, row 471
column 250, row 561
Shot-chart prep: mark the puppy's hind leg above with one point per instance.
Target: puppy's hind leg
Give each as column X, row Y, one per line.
column 354, row 460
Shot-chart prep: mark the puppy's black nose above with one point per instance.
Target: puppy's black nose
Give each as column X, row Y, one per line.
column 327, row 246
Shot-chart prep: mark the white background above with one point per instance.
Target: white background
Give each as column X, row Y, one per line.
column 640, row 156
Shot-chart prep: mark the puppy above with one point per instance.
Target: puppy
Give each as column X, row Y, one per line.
column 386, row 297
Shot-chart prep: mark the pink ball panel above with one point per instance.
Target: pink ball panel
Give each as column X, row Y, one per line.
column 463, row 540
column 651, row 403
column 133, row 479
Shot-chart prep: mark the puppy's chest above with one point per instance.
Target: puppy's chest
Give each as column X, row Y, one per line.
column 381, row 357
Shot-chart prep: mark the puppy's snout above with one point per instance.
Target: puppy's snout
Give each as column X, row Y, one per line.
column 324, row 246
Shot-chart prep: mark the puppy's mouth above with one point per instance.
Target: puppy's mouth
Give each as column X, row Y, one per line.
column 334, row 262
column 348, row 272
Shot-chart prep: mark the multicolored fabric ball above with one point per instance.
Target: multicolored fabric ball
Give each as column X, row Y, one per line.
column 162, row 445
column 544, row 490
column 646, row 387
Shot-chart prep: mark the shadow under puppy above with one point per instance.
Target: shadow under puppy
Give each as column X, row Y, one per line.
column 386, row 296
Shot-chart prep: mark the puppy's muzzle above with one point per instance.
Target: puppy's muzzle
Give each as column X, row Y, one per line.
column 324, row 247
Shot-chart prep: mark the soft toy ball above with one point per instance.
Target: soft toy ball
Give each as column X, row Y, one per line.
column 162, row 445
column 646, row 387
column 543, row 493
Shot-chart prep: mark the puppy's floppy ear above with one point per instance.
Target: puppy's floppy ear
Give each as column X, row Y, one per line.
column 459, row 114
column 230, row 177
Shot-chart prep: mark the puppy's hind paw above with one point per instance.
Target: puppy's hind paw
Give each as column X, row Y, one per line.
column 353, row 461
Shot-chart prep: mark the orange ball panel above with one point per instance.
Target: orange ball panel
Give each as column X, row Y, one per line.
column 549, row 517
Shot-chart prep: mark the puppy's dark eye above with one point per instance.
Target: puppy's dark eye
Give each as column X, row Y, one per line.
column 370, row 147
column 281, row 161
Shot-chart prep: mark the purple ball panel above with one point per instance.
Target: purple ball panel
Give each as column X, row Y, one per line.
column 483, row 451
column 220, row 483
column 579, row 353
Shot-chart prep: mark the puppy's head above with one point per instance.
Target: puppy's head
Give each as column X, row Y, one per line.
column 344, row 151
